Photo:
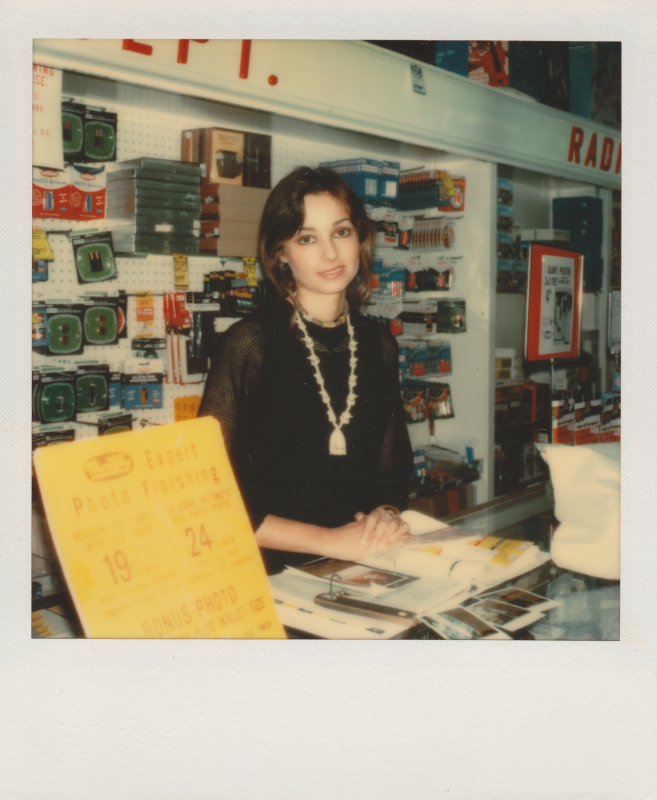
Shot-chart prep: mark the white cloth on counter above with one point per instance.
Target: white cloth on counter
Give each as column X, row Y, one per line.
column 586, row 482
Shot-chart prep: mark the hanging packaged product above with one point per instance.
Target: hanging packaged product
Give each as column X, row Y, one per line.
column 99, row 135
column 41, row 250
column 88, row 192
column 388, row 311
column 144, row 315
column 439, row 401
column 93, row 255
column 51, row 434
column 450, row 316
column 114, row 423
column 65, row 328
column 51, row 190
column 430, row 190
column 105, row 319
column 430, row 272
column 414, row 398
column 39, row 326
column 73, row 131
column 439, row 358
column 229, row 156
column 114, row 378
column 54, row 397
column 141, row 383
column 91, row 387
column 432, row 234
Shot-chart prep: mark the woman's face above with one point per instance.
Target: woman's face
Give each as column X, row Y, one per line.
column 324, row 254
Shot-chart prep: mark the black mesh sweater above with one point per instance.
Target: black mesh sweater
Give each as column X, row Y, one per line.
column 262, row 389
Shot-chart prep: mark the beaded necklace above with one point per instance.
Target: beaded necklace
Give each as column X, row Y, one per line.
column 337, row 442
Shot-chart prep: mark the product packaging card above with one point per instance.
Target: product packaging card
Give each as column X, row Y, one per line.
column 88, row 191
column 153, row 538
column 99, row 135
column 93, row 254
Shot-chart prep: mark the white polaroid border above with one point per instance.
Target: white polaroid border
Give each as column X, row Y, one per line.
column 357, row 720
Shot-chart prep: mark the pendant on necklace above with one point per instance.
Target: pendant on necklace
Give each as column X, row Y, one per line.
column 337, row 443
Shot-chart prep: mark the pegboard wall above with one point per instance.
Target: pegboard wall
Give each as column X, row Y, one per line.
column 150, row 123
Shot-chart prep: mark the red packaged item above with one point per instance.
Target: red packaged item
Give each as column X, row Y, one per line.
column 51, row 191
column 88, row 192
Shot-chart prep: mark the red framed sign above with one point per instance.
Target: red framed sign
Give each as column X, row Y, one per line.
column 554, row 303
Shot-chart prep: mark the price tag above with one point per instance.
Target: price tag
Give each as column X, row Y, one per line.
column 418, row 79
column 153, row 537
column 41, row 250
column 180, row 272
column 250, row 271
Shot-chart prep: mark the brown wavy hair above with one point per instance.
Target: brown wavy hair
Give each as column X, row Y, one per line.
column 283, row 217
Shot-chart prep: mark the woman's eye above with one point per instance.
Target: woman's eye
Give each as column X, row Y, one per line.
column 342, row 232
column 305, row 239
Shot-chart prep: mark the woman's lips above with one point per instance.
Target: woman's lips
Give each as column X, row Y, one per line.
column 332, row 273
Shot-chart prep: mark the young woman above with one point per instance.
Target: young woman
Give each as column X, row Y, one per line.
column 307, row 390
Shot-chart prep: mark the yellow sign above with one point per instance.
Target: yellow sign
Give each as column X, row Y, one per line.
column 180, row 271
column 41, row 250
column 153, row 537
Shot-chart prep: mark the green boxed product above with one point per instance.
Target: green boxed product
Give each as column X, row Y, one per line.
column 72, row 131
column 101, row 325
column 91, row 392
column 64, row 333
column 94, row 257
column 99, row 135
column 57, row 397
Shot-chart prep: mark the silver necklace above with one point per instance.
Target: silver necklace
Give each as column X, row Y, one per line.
column 337, row 442
column 309, row 317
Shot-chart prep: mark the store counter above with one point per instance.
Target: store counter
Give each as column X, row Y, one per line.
column 589, row 609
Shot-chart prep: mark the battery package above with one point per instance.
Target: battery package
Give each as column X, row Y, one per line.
column 65, row 328
column 99, row 135
column 92, row 388
column 73, row 131
column 55, row 396
column 51, row 193
column 88, row 192
column 93, row 254
column 114, row 423
column 141, row 383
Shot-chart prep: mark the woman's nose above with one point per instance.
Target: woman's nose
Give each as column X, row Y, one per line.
column 329, row 250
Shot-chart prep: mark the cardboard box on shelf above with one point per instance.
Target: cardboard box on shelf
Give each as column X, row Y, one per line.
column 229, row 157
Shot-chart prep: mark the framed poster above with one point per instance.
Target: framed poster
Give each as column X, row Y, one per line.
column 554, row 303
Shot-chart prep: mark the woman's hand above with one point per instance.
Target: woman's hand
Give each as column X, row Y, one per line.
column 351, row 542
column 382, row 528
column 355, row 541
